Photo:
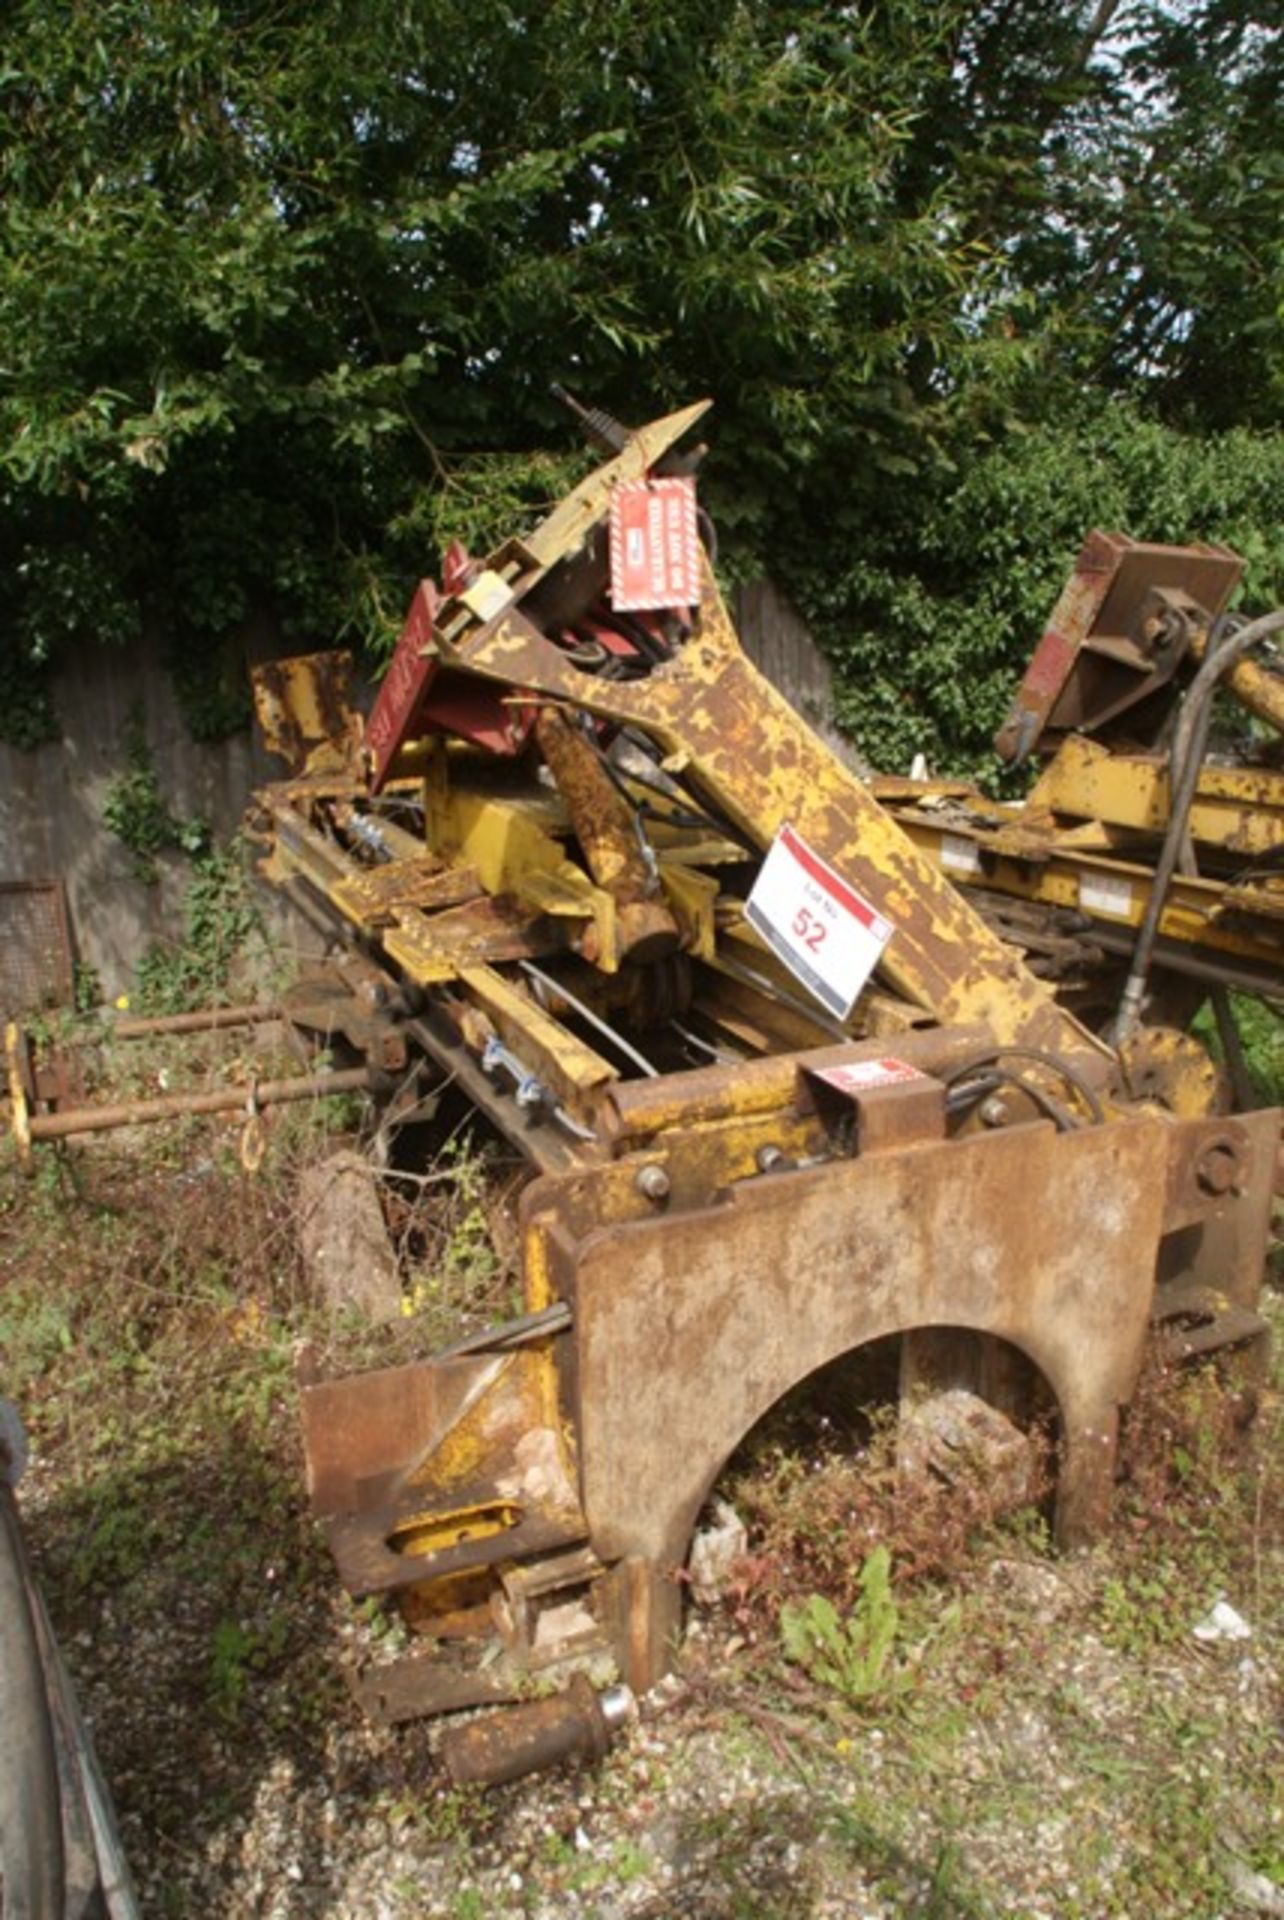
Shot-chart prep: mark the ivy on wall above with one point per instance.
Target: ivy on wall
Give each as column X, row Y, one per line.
column 137, row 812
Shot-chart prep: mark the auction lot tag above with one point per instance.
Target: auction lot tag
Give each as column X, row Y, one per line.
column 655, row 545
column 821, row 928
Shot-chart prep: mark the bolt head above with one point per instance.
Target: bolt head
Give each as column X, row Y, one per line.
column 653, row 1181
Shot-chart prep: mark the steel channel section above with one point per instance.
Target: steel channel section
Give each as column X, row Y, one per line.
column 1199, row 915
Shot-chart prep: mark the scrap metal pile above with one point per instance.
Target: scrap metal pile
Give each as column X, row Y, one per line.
column 784, row 1087
column 783, row 1090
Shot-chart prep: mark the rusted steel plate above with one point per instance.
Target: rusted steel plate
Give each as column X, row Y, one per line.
column 373, row 1426
column 35, row 946
column 304, row 711
column 706, row 1318
column 410, row 672
column 1101, row 602
column 438, row 946
column 426, row 882
column 423, row 1683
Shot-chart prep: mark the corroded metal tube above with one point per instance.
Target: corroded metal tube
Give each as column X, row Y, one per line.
column 607, row 831
column 138, row 1113
column 576, row 1725
column 204, row 1020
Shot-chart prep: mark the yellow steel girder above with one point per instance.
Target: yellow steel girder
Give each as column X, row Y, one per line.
column 1240, row 809
column 742, row 744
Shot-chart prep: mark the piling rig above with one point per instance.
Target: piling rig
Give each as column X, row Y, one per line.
column 783, row 1093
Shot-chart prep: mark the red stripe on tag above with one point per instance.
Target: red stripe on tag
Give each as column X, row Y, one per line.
column 826, row 877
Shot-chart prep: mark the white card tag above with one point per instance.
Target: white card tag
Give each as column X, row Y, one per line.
column 959, row 854
column 824, row 931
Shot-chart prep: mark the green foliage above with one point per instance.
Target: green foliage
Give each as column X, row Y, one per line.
column 282, row 289
column 1261, row 1032
column 220, row 917
column 87, row 987
column 856, row 1656
column 239, row 1652
column 213, row 687
column 931, row 616
column 136, row 811
column 455, row 1270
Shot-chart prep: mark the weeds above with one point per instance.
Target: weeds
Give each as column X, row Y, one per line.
column 448, row 1229
column 818, row 1512
column 149, row 1304
column 856, row 1656
column 220, row 921
column 137, row 812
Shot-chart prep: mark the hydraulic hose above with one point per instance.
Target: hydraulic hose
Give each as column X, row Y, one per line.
column 1185, row 761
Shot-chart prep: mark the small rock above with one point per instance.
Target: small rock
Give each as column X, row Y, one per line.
column 714, row 1551
column 1252, row 1889
column 950, row 1435
column 1222, row 1622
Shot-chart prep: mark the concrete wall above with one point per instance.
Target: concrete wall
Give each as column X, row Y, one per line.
column 779, row 643
column 51, row 800
column 51, row 804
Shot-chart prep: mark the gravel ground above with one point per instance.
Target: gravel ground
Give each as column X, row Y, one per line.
column 1067, row 1749
column 1029, row 1777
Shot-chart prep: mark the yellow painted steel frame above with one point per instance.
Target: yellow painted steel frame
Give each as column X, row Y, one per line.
column 1033, row 863
column 743, row 745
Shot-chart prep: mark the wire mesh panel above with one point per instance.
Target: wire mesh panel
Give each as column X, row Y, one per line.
column 35, row 946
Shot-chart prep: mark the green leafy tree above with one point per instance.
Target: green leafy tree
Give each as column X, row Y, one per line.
column 283, row 286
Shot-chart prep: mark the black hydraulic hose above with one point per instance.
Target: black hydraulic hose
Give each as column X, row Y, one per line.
column 1184, row 763
column 32, row 1863
column 992, row 1058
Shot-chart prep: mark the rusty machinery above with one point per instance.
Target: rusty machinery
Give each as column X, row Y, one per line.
column 1144, row 870
column 782, row 1089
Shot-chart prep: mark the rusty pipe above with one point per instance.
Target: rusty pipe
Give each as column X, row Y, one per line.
column 606, row 829
column 203, row 1020
column 1252, row 684
column 576, row 1725
column 254, row 1094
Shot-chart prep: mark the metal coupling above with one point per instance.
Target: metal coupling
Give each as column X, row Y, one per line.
column 772, row 1160
column 653, row 1181
column 576, row 1725
column 528, row 1090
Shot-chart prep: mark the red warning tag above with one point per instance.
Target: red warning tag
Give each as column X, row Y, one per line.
column 655, row 545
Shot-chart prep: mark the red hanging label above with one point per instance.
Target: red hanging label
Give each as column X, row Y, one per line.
column 655, row 546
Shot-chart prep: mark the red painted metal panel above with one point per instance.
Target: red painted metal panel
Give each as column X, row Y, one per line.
column 404, row 686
